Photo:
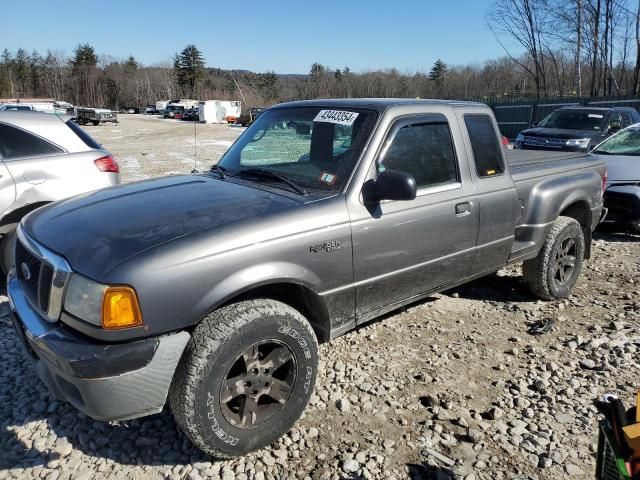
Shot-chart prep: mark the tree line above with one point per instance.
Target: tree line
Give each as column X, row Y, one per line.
column 571, row 48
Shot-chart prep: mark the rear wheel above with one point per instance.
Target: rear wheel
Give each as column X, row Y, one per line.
column 554, row 272
column 246, row 377
column 96, row 122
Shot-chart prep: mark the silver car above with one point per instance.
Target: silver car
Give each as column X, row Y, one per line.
column 44, row 158
column 621, row 153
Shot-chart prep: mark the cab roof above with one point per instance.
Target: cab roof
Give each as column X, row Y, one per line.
column 377, row 104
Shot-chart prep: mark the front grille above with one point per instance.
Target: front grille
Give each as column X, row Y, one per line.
column 28, row 265
column 42, row 275
column 539, row 142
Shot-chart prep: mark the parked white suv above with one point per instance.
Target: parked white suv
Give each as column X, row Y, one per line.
column 44, row 158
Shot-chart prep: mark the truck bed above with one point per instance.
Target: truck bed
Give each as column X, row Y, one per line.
column 529, row 170
column 528, row 164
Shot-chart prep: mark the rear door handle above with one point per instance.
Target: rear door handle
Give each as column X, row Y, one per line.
column 463, row 209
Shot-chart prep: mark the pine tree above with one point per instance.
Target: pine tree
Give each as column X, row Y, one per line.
column 36, row 65
column 189, row 66
column 6, row 73
column 130, row 64
column 84, row 55
column 438, row 72
column 22, row 72
column 84, row 63
column 268, row 85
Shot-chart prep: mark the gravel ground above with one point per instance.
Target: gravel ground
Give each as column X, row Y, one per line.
column 453, row 387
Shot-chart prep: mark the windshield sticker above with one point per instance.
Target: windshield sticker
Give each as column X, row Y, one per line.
column 595, row 115
column 328, row 178
column 336, row 116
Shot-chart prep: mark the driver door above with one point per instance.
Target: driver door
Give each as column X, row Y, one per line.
column 402, row 249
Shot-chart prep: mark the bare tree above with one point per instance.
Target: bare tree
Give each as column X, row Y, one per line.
column 523, row 21
column 636, row 70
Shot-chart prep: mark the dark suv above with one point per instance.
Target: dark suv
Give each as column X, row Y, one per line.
column 576, row 128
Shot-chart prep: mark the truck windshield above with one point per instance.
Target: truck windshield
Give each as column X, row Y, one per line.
column 314, row 147
column 575, row 120
column 627, row 142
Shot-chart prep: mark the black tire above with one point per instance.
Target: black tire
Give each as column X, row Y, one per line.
column 554, row 272
column 96, row 122
column 212, row 415
column 8, row 246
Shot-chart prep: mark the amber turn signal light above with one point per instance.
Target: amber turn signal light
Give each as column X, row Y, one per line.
column 120, row 308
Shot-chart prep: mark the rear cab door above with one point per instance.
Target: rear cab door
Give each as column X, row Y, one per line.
column 498, row 204
column 403, row 249
column 26, row 156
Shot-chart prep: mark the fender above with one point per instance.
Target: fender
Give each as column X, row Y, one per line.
column 254, row 277
column 546, row 202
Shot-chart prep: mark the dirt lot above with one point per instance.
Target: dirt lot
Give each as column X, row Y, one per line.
column 148, row 146
column 453, row 387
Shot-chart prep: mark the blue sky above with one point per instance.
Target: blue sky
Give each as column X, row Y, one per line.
column 281, row 35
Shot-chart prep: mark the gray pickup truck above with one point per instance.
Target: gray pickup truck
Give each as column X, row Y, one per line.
column 213, row 290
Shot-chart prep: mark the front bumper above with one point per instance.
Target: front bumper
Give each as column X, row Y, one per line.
column 623, row 202
column 105, row 381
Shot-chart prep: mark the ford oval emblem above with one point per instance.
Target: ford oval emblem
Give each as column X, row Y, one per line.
column 26, row 271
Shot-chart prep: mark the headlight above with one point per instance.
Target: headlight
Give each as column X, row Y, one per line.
column 578, row 142
column 109, row 307
column 84, row 299
column 520, row 138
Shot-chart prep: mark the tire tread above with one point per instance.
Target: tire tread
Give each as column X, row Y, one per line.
column 207, row 337
column 534, row 270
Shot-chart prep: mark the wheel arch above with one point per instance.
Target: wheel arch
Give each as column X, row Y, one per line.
column 579, row 210
column 295, row 293
column 14, row 216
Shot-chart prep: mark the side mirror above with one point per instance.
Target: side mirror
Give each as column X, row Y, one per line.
column 392, row 185
column 535, row 124
column 614, row 126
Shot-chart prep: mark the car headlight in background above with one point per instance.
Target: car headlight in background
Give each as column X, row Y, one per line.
column 578, row 142
column 109, row 307
column 520, row 138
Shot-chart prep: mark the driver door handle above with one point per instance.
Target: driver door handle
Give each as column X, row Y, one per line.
column 463, row 209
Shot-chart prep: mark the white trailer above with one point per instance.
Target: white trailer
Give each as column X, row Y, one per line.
column 161, row 106
column 219, row 111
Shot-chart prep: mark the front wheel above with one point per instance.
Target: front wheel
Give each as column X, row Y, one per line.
column 246, row 377
column 554, row 272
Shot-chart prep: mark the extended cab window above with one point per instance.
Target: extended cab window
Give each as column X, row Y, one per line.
column 487, row 152
column 424, row 150
column 16, row 143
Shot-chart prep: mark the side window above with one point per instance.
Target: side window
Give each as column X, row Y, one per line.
column 487, row 152
column 16, row 143
column 424, row 150
column 626, row 119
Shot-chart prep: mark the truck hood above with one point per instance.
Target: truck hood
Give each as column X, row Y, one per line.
column 97, row 231
column 563, row 133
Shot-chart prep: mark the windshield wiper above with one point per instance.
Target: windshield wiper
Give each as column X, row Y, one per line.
column 261, row 172
column 219, row 170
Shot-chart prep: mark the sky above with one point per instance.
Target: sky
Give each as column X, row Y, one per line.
column 260, row 35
